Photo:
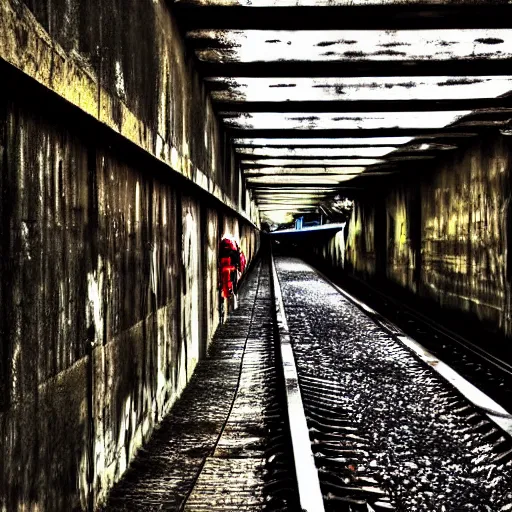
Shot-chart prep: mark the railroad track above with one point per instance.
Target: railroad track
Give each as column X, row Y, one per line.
column 484, row 369
column 353, row 450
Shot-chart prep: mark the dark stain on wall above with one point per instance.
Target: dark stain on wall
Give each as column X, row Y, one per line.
column 102, row 34
column 489, row 40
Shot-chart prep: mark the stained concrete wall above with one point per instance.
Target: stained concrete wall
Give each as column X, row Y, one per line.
column 403, row 234
column 359, row 253
column 465, row 232
column 109, row 299
column 332, row 252
column 125, row 64
column 442, row 233
column 114, row 194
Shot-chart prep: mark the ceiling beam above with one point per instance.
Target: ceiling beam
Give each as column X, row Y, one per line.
column 299, row 174
column 291, row 208
column 291, row 202
column 362, row 105
column 298, row 189
column 307, row 199
column 356, row 17
column 261, row 167
column 279, row 202
column 358, row 68
column 299, row 184
column 282, row 195
column 277, row 186
column 306, row 146
column 290, row 171
column 270, row 133
column 250, row 160
column 452, row 138
column 286, row 207
column 287, row 200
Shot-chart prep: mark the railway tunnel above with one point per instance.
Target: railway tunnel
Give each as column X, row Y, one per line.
column 366, row 364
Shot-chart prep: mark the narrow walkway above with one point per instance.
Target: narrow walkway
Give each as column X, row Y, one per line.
column 243, row 473
column 164, row 472
column 217, row 448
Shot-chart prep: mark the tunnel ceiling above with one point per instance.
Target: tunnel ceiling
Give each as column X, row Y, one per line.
column 321, row 96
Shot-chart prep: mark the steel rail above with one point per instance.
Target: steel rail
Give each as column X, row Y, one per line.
column 502, row 365
column 308, row 483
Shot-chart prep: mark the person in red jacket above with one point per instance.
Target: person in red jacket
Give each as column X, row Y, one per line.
column 229, row 266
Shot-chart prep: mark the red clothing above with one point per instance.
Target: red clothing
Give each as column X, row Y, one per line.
column 229, row 266
column 227, row 277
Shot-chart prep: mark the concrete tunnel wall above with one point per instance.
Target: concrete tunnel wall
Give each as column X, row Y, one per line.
column 441, row 233
column 116, row 186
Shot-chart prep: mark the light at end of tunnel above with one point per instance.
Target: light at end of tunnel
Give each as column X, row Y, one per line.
column 278, row 216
